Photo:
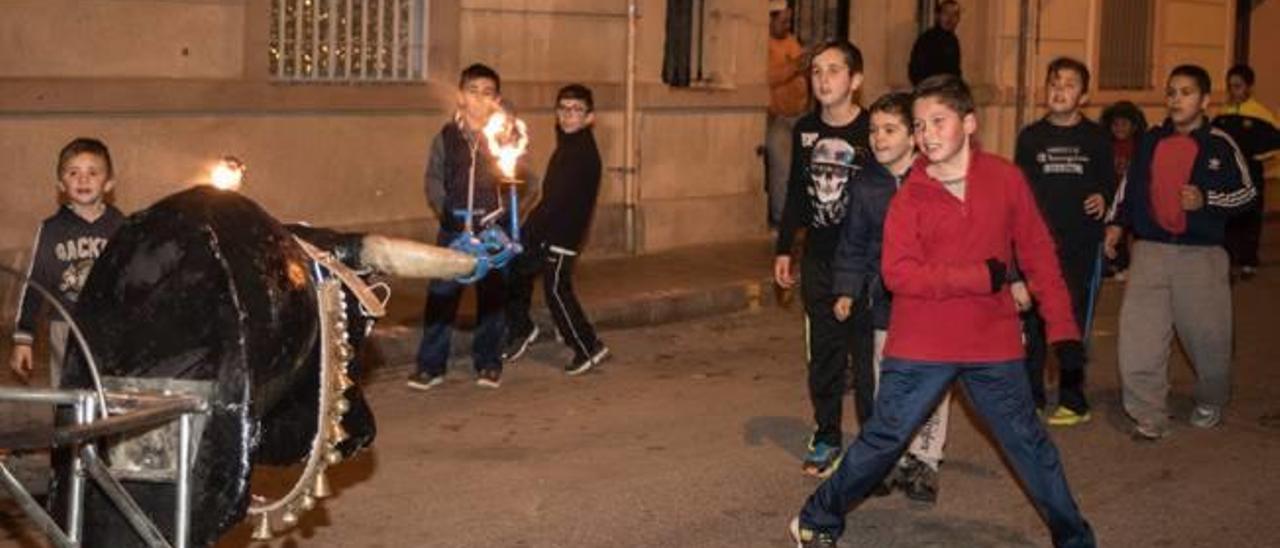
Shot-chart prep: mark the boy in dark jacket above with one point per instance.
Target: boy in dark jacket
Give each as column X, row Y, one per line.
column 858, row 281
column 553, row 237
column 1067, row 159
column 457, row 152
column 826, row 149
column 67, row 244
column 1186, row 179
column 951, row 230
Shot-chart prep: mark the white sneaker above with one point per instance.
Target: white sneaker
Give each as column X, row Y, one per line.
column 1206, row 416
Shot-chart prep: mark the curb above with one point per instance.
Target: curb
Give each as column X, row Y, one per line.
column 389, row 352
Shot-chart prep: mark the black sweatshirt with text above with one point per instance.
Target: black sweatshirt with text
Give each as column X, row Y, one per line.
column 66, row 247
column 1064, row 165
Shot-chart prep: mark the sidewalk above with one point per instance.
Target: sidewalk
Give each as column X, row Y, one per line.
column 617, row 292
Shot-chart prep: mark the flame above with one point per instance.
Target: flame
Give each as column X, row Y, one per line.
column 507, row 140
column 227, row 174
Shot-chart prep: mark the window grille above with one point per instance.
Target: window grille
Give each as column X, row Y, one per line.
column 347, row 41
column 1124, row 58
column 816, row 21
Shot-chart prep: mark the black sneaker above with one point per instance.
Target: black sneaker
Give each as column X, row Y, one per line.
column 582, row 365
column 920, row 482
column 805, row 537
column 489, row 378
column 424, row 381
column 517, row 345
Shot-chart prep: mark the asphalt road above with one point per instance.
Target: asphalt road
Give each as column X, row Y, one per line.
column 692, row 436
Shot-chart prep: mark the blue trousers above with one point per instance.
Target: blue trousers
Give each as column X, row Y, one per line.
column 443, row 297
column 909, row 390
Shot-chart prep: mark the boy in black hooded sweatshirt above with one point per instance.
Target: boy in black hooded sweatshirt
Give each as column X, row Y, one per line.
column 553, row 235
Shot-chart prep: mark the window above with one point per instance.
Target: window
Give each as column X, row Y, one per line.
column 347, row 41
column 1124, row 58
column 700, row 42
column 816, row 21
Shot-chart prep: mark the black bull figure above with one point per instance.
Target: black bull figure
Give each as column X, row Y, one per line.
column 206, row 286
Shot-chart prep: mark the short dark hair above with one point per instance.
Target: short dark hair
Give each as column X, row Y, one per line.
column 84, row 145
column 1127, row 110
column 578, row 92
column 944, row 3
column 897, row 103
column 949, row 90
column 1245, row 72
column 852, row 55
column 1069, row 63
column 478, row 71
column 1194, row 72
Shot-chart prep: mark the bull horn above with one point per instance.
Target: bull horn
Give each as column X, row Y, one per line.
column 410, row 259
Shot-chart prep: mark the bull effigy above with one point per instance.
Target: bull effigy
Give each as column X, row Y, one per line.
column 215, row 339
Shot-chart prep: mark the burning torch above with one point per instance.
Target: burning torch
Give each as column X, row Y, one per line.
column 228, row 173
column 508, row 140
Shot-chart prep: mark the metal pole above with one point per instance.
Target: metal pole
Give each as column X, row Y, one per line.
column 630, row 190
column 75, row 496
column 182, row 514
column 32, row 509
column 118, row 495
column 1024, row 35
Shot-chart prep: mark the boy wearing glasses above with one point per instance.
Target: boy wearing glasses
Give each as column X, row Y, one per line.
column 553, row 235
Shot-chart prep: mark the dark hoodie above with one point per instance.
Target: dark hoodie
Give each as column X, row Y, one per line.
column 570, row 188
column 857, row 260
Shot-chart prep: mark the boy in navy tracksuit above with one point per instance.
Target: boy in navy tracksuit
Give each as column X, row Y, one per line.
column 67, row 244
column 1067, row 159
column 858, row 281
column 1186, row 179
column 553, row 237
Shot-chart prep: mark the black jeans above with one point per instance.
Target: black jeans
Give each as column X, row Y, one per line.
column 1080, row 272
column 1244, row 233
column 829, row 344
column 556, row 266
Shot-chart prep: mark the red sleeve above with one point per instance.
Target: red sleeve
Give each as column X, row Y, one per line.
column 1038, row 260
column 906, row 269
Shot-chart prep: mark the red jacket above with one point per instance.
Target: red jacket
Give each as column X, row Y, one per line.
column 934, row 263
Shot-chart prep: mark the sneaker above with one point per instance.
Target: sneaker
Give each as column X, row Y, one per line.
column 821, row 459
column 1064, row 416
column 1121, row 276
column 516, row 346
column 424, row 381
column 1206, row 416
column 582, row 365
column 920, row 482
column 805, row 537
column 1149, row 431
column 1247, row 273
column 489, row 378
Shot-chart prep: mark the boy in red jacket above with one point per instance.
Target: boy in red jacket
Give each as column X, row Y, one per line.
column 950, row 232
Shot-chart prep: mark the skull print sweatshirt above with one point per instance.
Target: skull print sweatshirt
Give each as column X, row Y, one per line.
column 66, row 246
column 825, row 160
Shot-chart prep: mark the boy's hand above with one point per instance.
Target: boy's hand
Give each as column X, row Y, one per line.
column 843, row 307
column 1110, row 241
column 1095, row 206
column 1192, row 198
column 1021, row 296
column 20, row 361
column 782, row 272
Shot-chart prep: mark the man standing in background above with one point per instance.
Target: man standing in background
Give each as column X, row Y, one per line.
column 788, row 100
column 937, row 51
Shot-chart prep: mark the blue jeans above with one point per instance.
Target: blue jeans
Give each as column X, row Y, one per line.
column 443, row 297
column 909, row 390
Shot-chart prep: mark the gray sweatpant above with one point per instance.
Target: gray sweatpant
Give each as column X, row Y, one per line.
column 1172, row 288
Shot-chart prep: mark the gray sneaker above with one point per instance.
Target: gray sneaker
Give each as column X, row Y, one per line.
column 424, row 381
column 805, row 537
column 1206, row 416
column 1149, row 431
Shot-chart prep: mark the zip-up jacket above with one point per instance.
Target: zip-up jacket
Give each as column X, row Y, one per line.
column 1219, row 170
column 65, row 249
column 569, row 192
column 935, row 252
column 856, row 265
column 449, row 171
